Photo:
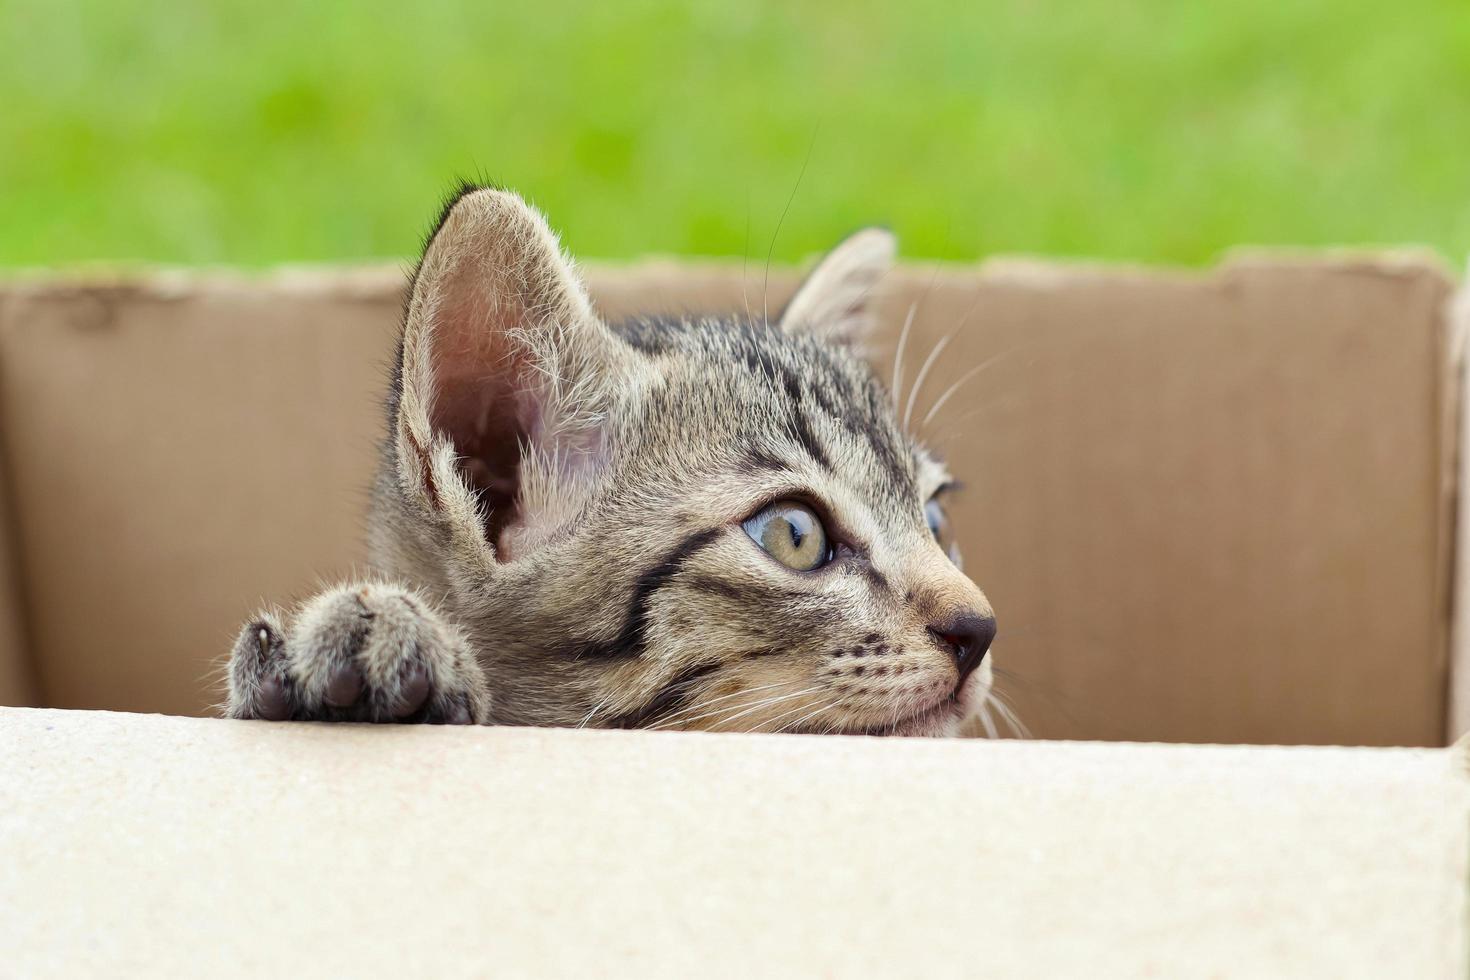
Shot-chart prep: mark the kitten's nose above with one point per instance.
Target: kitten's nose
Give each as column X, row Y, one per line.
column 967, row 635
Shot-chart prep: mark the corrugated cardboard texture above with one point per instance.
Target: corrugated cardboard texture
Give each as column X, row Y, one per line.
column 1207, row 507
column 136, row 845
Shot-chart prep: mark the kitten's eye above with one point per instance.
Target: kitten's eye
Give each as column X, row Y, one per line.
column 790, row 533
column 934, row 517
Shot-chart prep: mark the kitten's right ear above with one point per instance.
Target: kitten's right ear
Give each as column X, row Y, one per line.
column 503, row 378
column 836, row 300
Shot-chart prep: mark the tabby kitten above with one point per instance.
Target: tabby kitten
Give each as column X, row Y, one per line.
column 701, row 523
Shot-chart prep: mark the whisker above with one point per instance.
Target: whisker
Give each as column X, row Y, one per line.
column 768, row 703
column 903, row 339
column 1008, row 714
column 958, row 327
column 908, row 410
column 987, row 721
column 951, row 427
column 809, row 714
column 701, row 705
column 766, row 283
column 777, row 719
column 795, row 726
column 955, row 426
column 903, row 335
column 762, row 703
column 1056, row 700
column 595, row 709
column 1017, row 725
column 939, row 403
column 1010, row 704
column 736, row 694
column 745, row 261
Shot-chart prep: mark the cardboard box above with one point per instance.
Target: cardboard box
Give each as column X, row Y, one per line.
column 136, row 845
column 1210, row 507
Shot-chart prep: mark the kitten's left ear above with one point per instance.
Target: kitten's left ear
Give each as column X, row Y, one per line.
column 506, row 379
column 836, row 301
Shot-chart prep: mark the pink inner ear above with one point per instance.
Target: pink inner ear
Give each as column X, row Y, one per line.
column 493, row 270
column 483, row 405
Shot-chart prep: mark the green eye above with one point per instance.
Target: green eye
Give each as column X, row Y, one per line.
column 790, row 533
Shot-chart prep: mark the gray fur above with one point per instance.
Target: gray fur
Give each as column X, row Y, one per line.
column 600, row 575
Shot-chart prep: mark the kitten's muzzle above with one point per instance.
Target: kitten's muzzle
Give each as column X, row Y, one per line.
column 967, row 636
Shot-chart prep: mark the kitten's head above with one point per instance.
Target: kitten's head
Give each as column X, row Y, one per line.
column 691, row 522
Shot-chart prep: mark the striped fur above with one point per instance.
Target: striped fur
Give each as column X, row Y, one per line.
column 565, row 497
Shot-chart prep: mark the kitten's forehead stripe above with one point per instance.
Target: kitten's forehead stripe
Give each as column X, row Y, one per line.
column 802, row 427
column 759, row 459
column 813, row 385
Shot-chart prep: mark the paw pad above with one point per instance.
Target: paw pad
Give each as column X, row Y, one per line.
column 369, row 653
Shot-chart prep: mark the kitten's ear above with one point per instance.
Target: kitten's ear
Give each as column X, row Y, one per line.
column 504, row 377
column 836, row 301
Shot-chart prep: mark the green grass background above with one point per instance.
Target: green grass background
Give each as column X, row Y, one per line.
column 221, row 131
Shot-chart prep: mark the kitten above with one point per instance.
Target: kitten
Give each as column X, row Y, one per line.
column 710, row 523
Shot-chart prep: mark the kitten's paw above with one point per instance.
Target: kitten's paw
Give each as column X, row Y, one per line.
column 259, row 686
column 369, row 652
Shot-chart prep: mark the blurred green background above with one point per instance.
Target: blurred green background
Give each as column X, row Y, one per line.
column 219, row 131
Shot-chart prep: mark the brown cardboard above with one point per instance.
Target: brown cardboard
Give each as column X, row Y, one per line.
column 134, row 845
column 1207, row 507
column 17, row 675
column 1459, row 543
column 181, row 452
